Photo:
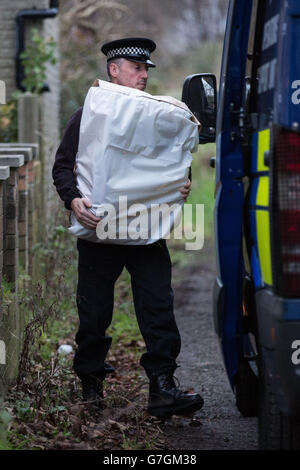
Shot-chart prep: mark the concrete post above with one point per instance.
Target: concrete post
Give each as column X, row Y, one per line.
column 29, row 131
column 33, row 147
column 28, row 118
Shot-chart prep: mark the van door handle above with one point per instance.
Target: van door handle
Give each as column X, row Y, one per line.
column 267, row 158
column 212, row 162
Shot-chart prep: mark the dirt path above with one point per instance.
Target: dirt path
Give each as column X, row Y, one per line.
column 219, row 424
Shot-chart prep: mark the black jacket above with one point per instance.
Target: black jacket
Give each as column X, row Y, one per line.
column 63, row 175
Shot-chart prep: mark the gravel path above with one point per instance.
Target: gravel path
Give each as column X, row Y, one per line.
column 219, row 425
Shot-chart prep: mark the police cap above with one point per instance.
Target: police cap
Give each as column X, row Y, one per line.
column 134, row 49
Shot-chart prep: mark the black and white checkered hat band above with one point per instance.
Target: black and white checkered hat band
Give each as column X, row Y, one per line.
column 128, row 51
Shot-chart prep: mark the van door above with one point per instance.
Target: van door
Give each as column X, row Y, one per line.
column 228, row 289
column 263, row 73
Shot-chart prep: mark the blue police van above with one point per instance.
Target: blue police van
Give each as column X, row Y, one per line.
column 256, row 125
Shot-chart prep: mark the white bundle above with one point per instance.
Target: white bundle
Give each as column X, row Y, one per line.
column 133, row 155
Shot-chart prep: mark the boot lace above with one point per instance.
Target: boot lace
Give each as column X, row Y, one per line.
column 169, row 382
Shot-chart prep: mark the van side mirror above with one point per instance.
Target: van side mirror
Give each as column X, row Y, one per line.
column 199, row 93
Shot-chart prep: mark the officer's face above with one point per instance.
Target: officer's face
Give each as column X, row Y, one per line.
column 131, row 74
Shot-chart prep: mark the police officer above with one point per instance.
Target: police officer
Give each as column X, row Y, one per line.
column 100, row 265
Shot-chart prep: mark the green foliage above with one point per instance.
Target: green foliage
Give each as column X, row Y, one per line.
column 34, row 59
column 203, row 184
column 202, row 192
column 56, row 329
column 124, row 325
column 24, row 409
column 9, row 119
column 206, row 58
column 5, row 419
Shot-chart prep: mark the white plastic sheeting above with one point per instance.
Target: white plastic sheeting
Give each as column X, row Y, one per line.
column 134, row 152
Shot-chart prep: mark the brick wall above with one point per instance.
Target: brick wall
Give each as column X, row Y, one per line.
column 19, row 181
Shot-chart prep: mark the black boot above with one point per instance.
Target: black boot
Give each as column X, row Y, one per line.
column 92, row 391
column 165, row 399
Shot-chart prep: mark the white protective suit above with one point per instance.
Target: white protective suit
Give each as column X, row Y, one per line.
column 133, row 156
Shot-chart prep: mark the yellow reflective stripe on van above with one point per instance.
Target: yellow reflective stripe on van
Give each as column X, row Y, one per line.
column 264, row 245
column 263, row 146
column 263, row 216
column 262, row 195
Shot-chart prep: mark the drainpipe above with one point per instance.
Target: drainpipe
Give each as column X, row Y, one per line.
column 34, row 13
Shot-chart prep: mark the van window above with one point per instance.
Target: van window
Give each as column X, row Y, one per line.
column 264, row 67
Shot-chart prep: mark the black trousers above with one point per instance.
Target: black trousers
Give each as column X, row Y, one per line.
column 99, row 266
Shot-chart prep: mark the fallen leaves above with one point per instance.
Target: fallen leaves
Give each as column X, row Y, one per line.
column 54, row 416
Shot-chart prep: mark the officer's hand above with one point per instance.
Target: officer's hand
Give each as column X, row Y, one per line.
column 185, row 191
column 85, row 217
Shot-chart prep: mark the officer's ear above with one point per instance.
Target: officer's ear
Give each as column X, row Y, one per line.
column 113, row 69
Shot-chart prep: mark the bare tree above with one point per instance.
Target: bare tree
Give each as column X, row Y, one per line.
column 177, row 26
